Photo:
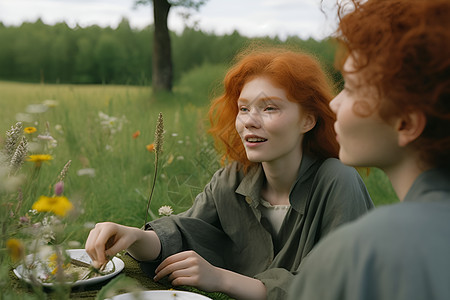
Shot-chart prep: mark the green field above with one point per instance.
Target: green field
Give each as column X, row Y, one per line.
column 124, row 168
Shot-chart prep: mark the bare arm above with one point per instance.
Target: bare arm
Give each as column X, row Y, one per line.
column 189, row 268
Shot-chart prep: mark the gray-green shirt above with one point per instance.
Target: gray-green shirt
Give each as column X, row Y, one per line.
column 400, row 251
column 224, row 224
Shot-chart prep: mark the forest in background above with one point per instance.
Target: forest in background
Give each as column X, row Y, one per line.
column 37, row 52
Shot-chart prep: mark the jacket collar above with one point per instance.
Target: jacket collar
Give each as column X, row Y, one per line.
column 432, row 180
column 251, row 185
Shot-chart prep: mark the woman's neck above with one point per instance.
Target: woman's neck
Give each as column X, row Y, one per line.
column 279, row 181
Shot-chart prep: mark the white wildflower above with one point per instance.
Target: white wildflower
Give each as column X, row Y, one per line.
column 89, row 225
column 86, row 172
column 23, row 117
column 50, row 103
column 59, row 129
column 74, row 244
column 165, row 210
column 36, row 108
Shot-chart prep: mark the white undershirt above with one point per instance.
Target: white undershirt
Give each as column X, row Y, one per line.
column 275, row 214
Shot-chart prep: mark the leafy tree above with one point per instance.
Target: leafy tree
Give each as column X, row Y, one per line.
column 162, row 73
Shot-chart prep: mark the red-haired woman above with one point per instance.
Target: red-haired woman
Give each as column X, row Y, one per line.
column 281, row 191
column 394, row 113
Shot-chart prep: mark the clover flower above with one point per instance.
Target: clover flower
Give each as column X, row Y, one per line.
column 58, row 205
column 165, row 210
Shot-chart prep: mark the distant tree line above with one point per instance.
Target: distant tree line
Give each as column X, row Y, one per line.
column 36, row 52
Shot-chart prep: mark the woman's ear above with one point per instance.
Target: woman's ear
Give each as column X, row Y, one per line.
column 410, row 126
column 309, row 121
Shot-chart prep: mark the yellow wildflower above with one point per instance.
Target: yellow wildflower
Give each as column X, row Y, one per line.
column 170, row 159
column 150, row 147
column 16, row 249
column 39, row 158
column 53, row 263
column 58, row 205
column 29, row 130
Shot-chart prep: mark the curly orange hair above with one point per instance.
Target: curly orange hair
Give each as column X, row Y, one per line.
column 404, row 48
column 300, row 75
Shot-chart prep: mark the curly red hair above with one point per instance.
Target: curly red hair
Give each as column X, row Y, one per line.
column 403, row 46
column 300, row 75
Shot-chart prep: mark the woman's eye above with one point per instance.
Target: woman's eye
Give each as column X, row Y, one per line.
column 270, row 108
column 243, row 109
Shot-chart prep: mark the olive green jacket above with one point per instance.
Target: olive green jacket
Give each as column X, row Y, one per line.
column 399, row 251
column 224, row 224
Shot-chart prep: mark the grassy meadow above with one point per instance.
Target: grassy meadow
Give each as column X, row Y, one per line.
column 123, row 166
column 105, row 129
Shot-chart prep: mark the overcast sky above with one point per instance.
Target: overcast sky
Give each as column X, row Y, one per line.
column 280, row 18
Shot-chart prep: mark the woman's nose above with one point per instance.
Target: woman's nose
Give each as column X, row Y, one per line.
column 335, row 102
column 252, row 119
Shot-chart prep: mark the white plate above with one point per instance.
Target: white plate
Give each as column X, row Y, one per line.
column 161, row 295
column 79, row 254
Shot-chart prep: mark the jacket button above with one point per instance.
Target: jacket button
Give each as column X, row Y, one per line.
column 248, row 200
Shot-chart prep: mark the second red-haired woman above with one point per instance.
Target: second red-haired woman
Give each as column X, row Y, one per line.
column 281, row 189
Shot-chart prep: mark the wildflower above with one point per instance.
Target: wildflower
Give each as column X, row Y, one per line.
column 89, row 225
column 165, row 210
column 64, row 171
column 12, row 139
column 58, row 205
column 150, row 147
column 110, row 123
column 16, row 249
column 19, row 155
column 159, row 134
column 53, row 262
column 170, row 159
column 29, row 130
column 39, row 158
column 50, row 103
column 157, row 146
column 86, row 172
column 46, row 137
column 74, row 244
column 136, row 134
column 36, row 108
column 59, row 128
column 59, row 188
column 24, row 220
column 23, row 117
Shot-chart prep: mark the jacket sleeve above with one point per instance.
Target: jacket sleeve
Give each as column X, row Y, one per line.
column 341, row 196
column 277, row 282
column 196, row 229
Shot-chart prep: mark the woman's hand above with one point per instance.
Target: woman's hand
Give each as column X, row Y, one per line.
column 107, row 239
column 189, row 268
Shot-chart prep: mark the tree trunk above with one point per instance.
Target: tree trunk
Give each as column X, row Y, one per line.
column 162, row 52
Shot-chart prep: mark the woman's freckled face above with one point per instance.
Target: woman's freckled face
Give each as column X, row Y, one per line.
column 271, row 127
